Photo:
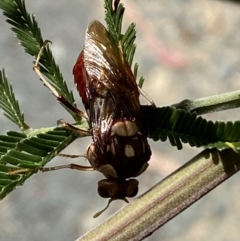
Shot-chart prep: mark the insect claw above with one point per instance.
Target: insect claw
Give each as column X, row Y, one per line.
column 47, row 42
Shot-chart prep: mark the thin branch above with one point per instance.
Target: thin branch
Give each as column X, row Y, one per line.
column 210, row 104
column 168, row 198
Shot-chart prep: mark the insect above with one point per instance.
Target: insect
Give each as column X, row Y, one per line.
column 110, row 95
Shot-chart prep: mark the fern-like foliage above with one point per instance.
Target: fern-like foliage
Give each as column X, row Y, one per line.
column 28, row 153
column 9, row 103
column 113, row 18
column 180, row 127
column 27, row 31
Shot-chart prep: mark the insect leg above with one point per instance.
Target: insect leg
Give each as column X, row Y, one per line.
column 146, row 97
column 46, row 169
column 59, row 97
column 70, row 155
column 70, row 127
column 19, row 171
column 71, row 166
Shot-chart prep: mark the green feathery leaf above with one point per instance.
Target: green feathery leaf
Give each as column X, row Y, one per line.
column 9, row 103
column 113, row 18
column 21, row 154
column 141, row 80
column 27, row 31
column 128, row 45
column 180, row 127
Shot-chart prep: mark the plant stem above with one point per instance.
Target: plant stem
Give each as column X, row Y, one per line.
column 168, row 198
column 210, row 104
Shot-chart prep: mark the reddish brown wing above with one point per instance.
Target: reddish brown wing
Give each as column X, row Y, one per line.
column 80, row 80
column 104, row 64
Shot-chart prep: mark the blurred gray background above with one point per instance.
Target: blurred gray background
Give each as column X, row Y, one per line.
column 186, row 49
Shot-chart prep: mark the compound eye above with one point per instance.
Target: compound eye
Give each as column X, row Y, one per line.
column 116, row 189
column 108, row 188
column 131, row 188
